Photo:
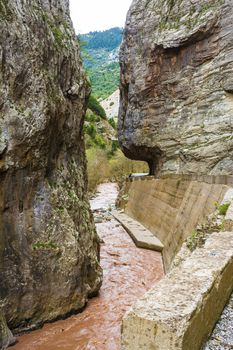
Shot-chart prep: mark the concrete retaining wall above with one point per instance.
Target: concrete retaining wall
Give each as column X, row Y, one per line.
column 172, row 206
column 181, row 310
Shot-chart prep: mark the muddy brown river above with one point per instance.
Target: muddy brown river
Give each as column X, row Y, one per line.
column 128, row 273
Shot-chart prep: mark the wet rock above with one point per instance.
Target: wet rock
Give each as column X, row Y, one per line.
column 176, row 86
column 49, row 249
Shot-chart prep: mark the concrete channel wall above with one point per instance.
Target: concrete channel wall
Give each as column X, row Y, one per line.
column 181, row 310
column 171, row 206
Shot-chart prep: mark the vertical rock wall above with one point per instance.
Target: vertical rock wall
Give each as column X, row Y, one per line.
column 49, row 249
column 177, row 85
column 6, row 337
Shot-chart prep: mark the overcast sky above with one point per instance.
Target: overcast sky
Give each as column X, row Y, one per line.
column 90, row 15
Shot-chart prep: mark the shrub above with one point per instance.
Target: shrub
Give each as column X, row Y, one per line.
column 122, row 166
column 99, row 141
column 101, row 169
column 112, row 123
column 49, row 245
column 95, row 107
column 97, row 168
column 89, row 117
column 90, row 130
column 114, row 148
column 222, row 208
column 197, row 239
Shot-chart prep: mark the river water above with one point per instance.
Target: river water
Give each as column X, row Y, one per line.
column 128, row 273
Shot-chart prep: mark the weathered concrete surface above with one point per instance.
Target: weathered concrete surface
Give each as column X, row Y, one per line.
column 228, row 223
column 176, row 85
column 142, row 237
column 180, row 312
column 171, row 207
column 49, row 249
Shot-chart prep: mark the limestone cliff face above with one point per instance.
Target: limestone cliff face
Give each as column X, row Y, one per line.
column 6, row 337
column 49, row 249
column 177, row 85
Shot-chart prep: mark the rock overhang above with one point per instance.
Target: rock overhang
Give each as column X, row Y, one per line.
column 175, row 60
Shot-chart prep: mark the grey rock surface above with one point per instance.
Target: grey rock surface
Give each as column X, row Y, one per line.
column 49, row 249
column 176, row 86
column 6, row 337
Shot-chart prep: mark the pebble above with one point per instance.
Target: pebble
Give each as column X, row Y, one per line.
column 222, row 336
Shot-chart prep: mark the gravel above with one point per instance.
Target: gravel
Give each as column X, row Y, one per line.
column 222, row 336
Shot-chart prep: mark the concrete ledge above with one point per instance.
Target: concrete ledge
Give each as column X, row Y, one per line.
column 182, row 309
column 142, row 237
column 172, row 207
column 210, row 179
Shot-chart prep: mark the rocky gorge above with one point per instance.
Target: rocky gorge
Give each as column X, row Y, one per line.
column 49, row 249
column 175, row 114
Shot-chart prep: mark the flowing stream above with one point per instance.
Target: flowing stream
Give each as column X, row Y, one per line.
column 128, row 273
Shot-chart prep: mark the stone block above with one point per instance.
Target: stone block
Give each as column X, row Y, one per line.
column 181, row 310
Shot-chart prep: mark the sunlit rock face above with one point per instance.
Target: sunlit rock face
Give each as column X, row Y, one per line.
column 49, row 250
column 177, row 85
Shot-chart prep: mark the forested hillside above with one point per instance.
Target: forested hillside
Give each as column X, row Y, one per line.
column 100, row 56
column 107, row 39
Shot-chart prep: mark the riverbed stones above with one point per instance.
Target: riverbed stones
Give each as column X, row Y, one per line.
column 222, row 336
column 182, row 309
column 49, row 249
column 176, row 86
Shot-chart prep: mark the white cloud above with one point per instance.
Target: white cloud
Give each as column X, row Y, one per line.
column 90, row 15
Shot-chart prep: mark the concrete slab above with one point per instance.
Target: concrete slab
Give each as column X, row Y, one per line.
column 142, row 237
column 181, row 310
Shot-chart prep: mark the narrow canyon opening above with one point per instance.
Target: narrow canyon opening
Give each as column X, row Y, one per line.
column 116, row 180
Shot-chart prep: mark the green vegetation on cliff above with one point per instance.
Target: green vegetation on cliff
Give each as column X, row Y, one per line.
column 105, row 161
column 95, row 107
column 100, row 56
column 108, row 39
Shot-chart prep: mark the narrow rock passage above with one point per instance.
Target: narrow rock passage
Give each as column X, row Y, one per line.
column 128, row 273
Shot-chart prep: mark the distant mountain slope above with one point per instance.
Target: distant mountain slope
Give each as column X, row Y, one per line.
column 108, row 39
column 111, row 104
column 100, row 56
